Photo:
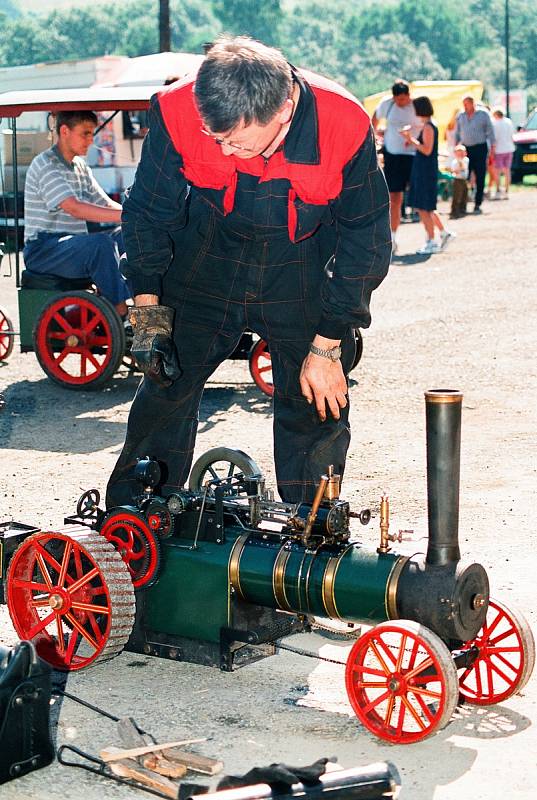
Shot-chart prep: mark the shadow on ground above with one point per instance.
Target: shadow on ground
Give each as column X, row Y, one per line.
column 41, row 416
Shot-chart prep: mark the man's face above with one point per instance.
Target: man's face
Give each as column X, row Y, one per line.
column 401, row 100
column 468, row 104
column 249, row 141
column 78, row 139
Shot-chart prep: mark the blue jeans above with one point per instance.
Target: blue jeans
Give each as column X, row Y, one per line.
column 91, row 255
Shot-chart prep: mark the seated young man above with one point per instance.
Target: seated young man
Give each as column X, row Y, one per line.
column 61, row 196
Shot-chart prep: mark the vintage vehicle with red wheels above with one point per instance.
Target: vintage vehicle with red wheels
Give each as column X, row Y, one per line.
column 77, row 335
column 258, row 569
column 7, row 335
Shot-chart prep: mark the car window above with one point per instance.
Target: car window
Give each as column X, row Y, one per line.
column 531, row 124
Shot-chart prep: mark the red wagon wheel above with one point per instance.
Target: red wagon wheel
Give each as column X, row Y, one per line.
column 136, row 543
column 6, row 336
column 79, row 340
column 260, row 363
column 72, row 597
column 506, row 657
column 401, row 681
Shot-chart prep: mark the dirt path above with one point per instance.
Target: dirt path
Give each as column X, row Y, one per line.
column 464, row 319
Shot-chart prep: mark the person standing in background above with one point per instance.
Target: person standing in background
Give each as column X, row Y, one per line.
column 424, row 178
column 398, row 112
column 450, row 135
column 503, row 155
column 475, row 132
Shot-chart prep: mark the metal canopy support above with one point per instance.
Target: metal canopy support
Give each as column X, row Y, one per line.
column 16, row 197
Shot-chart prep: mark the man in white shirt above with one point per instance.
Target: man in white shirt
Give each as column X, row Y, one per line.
column 503, row 155
column 398, row 112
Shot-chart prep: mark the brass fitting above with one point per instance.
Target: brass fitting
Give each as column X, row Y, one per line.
column 319, row 494
column 331, row 491
column 385, row 536
column 384, row 524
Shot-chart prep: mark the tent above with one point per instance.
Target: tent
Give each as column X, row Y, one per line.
column 155, row 68
column 446, row 97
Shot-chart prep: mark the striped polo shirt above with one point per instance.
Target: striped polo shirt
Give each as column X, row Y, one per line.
column 49, row 181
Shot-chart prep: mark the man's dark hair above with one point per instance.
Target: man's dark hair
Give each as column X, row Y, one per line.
column 423, row 107
column 400, row 87
column 241, row 80
column 72, row 118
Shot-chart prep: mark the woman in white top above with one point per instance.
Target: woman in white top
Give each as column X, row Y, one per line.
column 503, row 156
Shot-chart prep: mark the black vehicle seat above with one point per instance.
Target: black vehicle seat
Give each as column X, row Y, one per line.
column 37, row 280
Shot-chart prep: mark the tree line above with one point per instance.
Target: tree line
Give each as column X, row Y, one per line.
column 364, row 44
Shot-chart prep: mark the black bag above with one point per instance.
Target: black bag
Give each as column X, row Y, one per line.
column 25, row 686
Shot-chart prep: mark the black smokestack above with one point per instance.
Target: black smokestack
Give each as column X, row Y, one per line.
column 443, row 422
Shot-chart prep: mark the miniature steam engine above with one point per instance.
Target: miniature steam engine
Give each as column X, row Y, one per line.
column 217, row 572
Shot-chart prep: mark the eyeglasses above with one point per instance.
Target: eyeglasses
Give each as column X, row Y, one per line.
column 222, row 142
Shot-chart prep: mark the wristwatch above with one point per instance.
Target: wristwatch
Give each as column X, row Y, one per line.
column 334, row 353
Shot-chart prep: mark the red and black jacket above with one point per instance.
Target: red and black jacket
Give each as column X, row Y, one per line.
column 327, row 162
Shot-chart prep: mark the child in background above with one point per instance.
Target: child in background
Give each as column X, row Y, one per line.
column 459, row 169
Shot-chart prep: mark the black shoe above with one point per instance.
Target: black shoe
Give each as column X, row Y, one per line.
column 477, row 210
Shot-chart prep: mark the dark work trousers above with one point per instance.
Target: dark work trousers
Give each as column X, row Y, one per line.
column 460, row 197
column 477, row 157
column 224, row 280
column 93, row 255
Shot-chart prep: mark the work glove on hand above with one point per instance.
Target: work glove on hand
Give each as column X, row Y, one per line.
column 152, row 345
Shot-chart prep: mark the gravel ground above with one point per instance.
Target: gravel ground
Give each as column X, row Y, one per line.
column 463, row 319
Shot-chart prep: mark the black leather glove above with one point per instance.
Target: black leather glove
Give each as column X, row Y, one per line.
column 152, row 345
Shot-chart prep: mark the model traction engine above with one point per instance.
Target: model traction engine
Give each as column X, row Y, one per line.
column 216, row 573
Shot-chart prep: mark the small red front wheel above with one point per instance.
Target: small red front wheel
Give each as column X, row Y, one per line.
column 401, row 681
column 136, row 543
column 506, row 657
column 72, row 596
column 260, row 363
column 7, row 334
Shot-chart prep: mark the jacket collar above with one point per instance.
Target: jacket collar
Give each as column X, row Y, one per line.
column 301, row 144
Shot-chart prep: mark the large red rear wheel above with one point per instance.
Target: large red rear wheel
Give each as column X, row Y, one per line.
column 506, row 657
column 6, row 336
column 260, row 363
column 401, row 681
column 79, row 340
column 72, row 596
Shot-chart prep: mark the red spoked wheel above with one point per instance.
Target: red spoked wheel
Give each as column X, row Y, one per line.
column 506, row 657
column 401, row 681
column 136, row 543
column 7, row 334
column 72, row 597
column 260, row 363
column 79, row 340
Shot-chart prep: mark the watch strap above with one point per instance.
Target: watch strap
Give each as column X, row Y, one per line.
column 333, row 353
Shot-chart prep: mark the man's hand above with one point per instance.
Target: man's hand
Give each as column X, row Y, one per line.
column 152, row 345
column 322, row 381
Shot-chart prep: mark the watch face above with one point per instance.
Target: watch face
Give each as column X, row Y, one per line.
column 335, row 353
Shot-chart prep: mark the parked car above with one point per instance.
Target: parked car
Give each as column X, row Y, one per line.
column 525, row 155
